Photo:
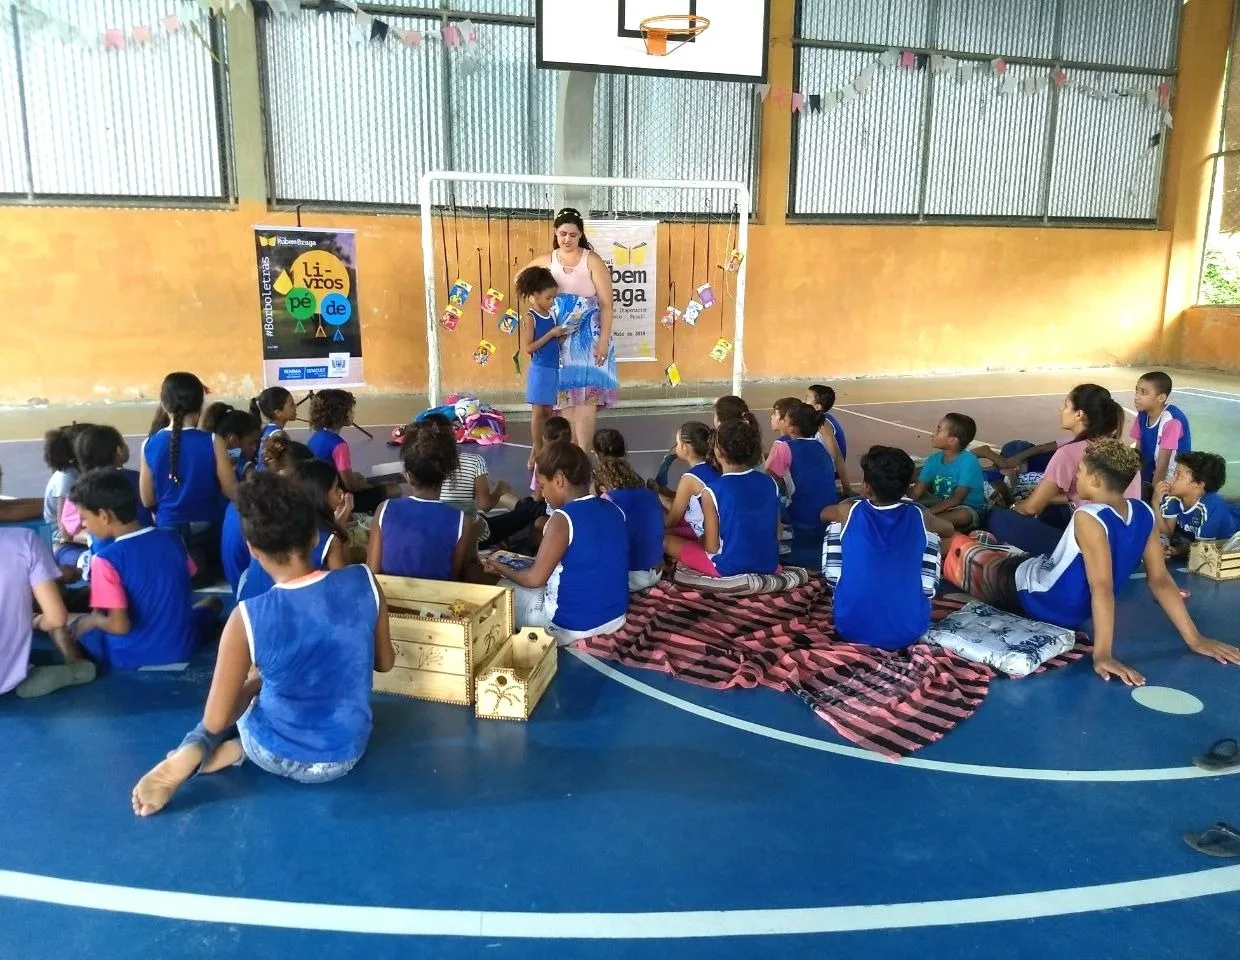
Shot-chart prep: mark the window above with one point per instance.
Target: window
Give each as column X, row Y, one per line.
column 934, row 139
column 145, row 120
column 359, row 123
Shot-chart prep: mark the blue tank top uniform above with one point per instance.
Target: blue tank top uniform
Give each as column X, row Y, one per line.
column 748, row 507
column 884, row 566
column 1055, row 589
column 542, row 382
column 419, row 538
column 153, row 568
column 1150, row 432
column 323, row 443
column 1210, row 518
column 589, row 588
column 813, row 489
column 197, row 498
column 255, row 580
column 234, row 552
column 313, row 640
column 643, row 519
column 840, row 440
column 693, row 512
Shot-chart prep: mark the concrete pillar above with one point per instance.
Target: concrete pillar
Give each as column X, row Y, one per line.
column 245, row 89
column 574, row 136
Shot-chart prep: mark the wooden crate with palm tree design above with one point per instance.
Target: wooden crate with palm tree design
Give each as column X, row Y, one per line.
column 511, row 685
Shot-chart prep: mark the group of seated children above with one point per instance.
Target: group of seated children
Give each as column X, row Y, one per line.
column 310, row 629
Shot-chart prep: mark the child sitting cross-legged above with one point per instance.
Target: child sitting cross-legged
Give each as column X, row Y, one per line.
column 419, row 536
column 1160, row 431
column 291, row 690
column 330, row 412
column 578, row 585
column 1190, row 506
column 143, row 614
column 740, row 511
column 615, row 479
column 1107, row 539
column 881, row 556
column 694, row 446
column 831, row 434
column 951, row 482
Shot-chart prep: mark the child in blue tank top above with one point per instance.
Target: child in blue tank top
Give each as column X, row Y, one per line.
column 185, row 474
column 578, row 586
column 275, row 409
column 1160, row 429
column 831, row 434
column 740, row 510
column 319, row 480
column 241, row 432
column 1108, row 538
column 540, row 340
column 881, row 557
column 694, row 446
column 143, row 613
column 615, row 479
column 291, row 691
column 330, row 412
column 419, row 536
column 805, row 468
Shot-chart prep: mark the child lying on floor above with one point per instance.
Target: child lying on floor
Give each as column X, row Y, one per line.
column 295, row 665
column 1108, row 538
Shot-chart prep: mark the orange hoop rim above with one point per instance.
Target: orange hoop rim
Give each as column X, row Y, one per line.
column 657, row 30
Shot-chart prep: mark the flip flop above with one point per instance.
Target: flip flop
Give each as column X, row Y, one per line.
column 1220, row 840
column 1222, row 755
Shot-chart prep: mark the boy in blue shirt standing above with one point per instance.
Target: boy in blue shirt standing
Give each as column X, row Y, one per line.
column 951, row 484
column 1190, row 504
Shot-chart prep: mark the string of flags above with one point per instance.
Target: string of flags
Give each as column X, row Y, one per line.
column 462, row 35
column 1156, row 99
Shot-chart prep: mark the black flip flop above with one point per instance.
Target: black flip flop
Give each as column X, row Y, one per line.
column 1220, row 840
column 1222, row 755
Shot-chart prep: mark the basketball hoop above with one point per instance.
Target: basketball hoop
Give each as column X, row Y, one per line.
column 679, row 27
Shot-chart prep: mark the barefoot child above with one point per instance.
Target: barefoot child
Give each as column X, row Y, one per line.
column 578, row 586
column 615, row 479
column 139, row 584
column 295, row 665
column 540, row 338
column 1108, row 537
column 419, row 536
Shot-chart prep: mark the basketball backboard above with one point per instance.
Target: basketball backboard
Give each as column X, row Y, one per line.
column 606, row 36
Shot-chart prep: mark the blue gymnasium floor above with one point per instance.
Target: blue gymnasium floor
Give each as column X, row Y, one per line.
column 639, row 816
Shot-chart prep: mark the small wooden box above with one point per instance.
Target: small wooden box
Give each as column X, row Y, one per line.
column 511, row 685
column 1207, row 558
column 437, row 652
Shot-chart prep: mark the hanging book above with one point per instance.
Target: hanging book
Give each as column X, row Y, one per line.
column 720, row 351
column 492, row 300
column 483, row 353
column 450, row 317
column 459, row 292
column 673, row 374
column 670, row 316
column 706, row 295
column 509, row 321
column 733, row 263
column 692, row 311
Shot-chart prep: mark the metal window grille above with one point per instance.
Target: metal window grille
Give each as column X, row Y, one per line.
column 920, row 146
column 147, row 121
column 358, row 123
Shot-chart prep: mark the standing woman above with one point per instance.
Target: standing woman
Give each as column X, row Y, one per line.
column 587, row 355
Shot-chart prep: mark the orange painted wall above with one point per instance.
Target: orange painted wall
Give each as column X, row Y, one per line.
column 101, row 303
column 1207, row 337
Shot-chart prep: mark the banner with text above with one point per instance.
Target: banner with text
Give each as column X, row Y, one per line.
column 307, row 295
column 629, row 248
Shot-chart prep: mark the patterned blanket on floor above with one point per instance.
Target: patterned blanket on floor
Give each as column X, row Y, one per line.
column 891, row 702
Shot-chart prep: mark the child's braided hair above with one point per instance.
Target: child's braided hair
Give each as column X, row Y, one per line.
column 614, row 472
column 181, row 396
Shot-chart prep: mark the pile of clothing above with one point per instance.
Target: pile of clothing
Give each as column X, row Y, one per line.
column 472, row 420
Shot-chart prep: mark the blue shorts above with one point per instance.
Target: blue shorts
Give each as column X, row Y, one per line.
column 542, row 385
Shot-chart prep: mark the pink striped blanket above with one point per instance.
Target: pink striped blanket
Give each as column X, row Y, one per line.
column 893, row 703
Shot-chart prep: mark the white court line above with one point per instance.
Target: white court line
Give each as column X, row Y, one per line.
column 890, row 423
column 526, row 446
column 1193, row 392
column 939, row 766
column 405, row 921
column 999, row 396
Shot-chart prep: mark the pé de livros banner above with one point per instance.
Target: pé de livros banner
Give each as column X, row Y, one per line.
column 307, row 296
column 629, row 248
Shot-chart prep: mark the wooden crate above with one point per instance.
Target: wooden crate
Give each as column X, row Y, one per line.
column 511, row 685
column 1207, row 558
column 439, row 649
